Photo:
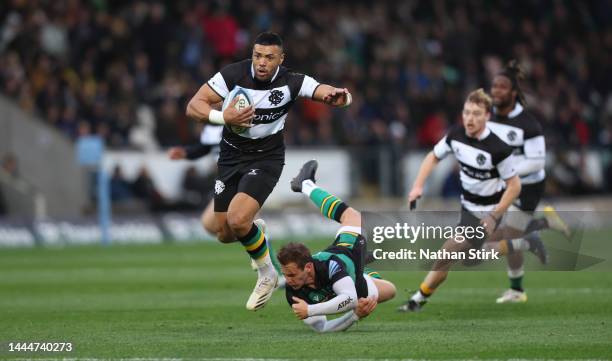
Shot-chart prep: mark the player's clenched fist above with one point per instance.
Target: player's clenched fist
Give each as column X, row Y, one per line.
column 300, row 308
column 365, row 306
column 243, row 117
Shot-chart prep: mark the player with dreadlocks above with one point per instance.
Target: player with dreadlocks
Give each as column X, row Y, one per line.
column 520, row 129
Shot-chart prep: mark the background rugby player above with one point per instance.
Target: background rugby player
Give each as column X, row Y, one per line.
column 521, row 130
column 488, row 181
column 209, row 142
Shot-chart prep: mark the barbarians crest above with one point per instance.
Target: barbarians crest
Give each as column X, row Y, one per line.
column 511, row 135
column 276, row 97
column 481, row 159
column 219, row 187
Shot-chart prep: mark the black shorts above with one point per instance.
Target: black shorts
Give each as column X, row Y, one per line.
column 469, row 219
column 530, row 196
column 257, row 178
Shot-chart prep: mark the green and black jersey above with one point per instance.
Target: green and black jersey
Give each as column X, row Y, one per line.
column 345, row 257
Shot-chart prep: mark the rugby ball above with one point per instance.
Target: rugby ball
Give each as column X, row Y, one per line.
column 244, row 100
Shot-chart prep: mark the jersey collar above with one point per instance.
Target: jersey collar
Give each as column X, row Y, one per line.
column 518, row 109
column 485, row 133
column 273, row 77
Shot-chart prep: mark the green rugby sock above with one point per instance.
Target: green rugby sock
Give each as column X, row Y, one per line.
column 330, row 206
column 255, row 244
column 516, row 283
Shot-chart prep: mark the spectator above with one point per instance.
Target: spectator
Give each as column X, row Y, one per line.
column 9, row 165
column 197, row 188
column 145, row 190
column 128, row 68
column 102, row 64
column 119, row 187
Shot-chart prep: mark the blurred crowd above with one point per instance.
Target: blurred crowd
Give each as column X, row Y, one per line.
column 129, row 68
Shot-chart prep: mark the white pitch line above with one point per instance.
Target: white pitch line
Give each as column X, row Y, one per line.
column 286, row 359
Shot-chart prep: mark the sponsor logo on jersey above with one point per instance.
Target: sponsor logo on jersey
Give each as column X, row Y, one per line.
column 334, row 267
column 345, row 303
column 477, row 174
column 268, row 116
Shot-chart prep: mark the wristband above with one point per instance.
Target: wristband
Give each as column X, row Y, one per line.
column 216, row 117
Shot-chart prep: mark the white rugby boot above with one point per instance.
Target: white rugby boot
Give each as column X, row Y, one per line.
column 512, row 296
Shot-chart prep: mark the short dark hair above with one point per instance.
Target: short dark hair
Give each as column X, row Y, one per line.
column 269, row 38
column 296, row 253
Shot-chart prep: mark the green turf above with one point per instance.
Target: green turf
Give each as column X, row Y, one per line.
column 187, row 301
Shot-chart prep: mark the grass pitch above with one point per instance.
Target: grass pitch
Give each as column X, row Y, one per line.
column 187, row 301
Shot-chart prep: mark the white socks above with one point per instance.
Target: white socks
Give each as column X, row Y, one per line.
column 418, row 297
column 308, row 186
column 516, row 273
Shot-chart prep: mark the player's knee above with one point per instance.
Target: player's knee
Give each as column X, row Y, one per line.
column 386, row 290
column 391, row 291
column 239, row 222
column 351, row 217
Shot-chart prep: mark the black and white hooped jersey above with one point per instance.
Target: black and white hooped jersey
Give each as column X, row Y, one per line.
column 485, row 164
column 523, row 133
column 272, row 101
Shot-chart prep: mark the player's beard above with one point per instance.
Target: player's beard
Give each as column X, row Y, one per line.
column 503, row 103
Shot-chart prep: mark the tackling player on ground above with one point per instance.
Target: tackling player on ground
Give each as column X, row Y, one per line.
column 253, row 153
column 332, row 281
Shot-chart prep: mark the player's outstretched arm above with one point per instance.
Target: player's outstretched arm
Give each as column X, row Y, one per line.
column 190, row 152
column 322, row 325
column 337, row 97
column 507, row 171
column 345, row 300
column 427, row 166
column 513, row 189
